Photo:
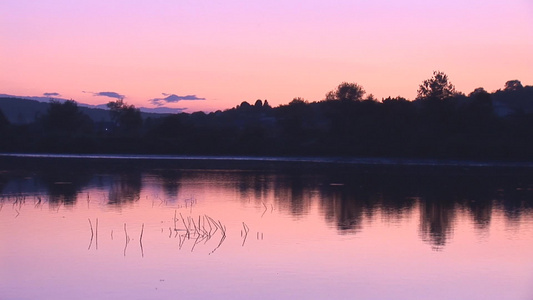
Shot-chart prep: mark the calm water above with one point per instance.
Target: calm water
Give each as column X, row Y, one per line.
column 102, row 229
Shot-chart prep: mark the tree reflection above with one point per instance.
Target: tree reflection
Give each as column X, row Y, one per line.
column 292, row 195
column 343, row 209
column 517, row 200
column 479, row 202
column 170, row 182
column 346, row 197
column 62, row 193
column 125, row 188
column 289, row 192
column 436, row 222
column 64, row 186
column 481, row 212
column 397, row 203
column 250, row 186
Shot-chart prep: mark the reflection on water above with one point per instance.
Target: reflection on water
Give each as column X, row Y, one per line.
column 276, row 212
column 345, row 198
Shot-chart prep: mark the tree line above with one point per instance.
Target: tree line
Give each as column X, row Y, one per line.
column 440, row 123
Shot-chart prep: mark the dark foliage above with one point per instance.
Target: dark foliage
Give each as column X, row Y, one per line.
column 4, row 122
column 66, row 118
column 127, row 118
column 346, row 92
column 436, row 88
column 440, row 123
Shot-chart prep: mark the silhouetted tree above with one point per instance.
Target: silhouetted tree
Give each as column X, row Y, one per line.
column 261, row 106
column 437, row 88
column 395, row 100
column 298, row 101
column 514, row 100
column 349, row 123
column 513, row 85
column 295, row 127
column 346, row 92
column 481, row 102
column 66, row 117
column 170, row 127
column 126, row 117
column 244, row 106
column 371, row 98
column 477, row 91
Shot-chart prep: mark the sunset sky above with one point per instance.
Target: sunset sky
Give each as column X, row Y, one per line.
column 209, row 55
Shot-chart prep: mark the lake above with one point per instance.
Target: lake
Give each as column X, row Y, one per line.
column 139, row 228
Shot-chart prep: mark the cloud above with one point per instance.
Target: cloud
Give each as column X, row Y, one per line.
column 107, row 94
column 51, row 94
column 172, row 98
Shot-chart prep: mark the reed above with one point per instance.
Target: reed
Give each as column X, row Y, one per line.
column 195, row 229
column 96, row 233
column 92, row 234
column 175, row 219
column 205, row 233
column 211, row 220
column 187, row 228
column 200, row 229
column 127, row 239
column 91, row 225
column 126, row 234
column 246, row 230
column 199, row 225
column 181, row 241
column 209, row 223
column 265, row 209
column 141, row 240
column 196, row 242
column 39, row 200
column 219, row 243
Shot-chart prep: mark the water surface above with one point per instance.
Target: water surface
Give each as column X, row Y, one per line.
column 108, row 229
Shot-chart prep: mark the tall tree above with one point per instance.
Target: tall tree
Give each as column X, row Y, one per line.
column 127, row 118
column 436, row 88
column 346, row 91
column 513, row 85
column 66, row 117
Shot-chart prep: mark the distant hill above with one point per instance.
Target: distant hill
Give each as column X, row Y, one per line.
column 24, row 111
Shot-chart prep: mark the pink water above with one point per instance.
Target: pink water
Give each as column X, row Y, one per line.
column 285, row 238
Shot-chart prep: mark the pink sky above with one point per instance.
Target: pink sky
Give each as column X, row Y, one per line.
column 233, row 51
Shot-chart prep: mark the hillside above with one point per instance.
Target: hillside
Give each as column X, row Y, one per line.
column 25, row 111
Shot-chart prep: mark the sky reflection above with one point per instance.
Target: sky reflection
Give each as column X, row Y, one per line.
column 265, row 233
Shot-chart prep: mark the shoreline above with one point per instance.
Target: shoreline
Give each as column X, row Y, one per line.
column 347, row 161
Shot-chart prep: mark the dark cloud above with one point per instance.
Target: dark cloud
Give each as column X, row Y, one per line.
column 110, row 95
column 51, row 94
column 107, row 94
column 172, row 98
